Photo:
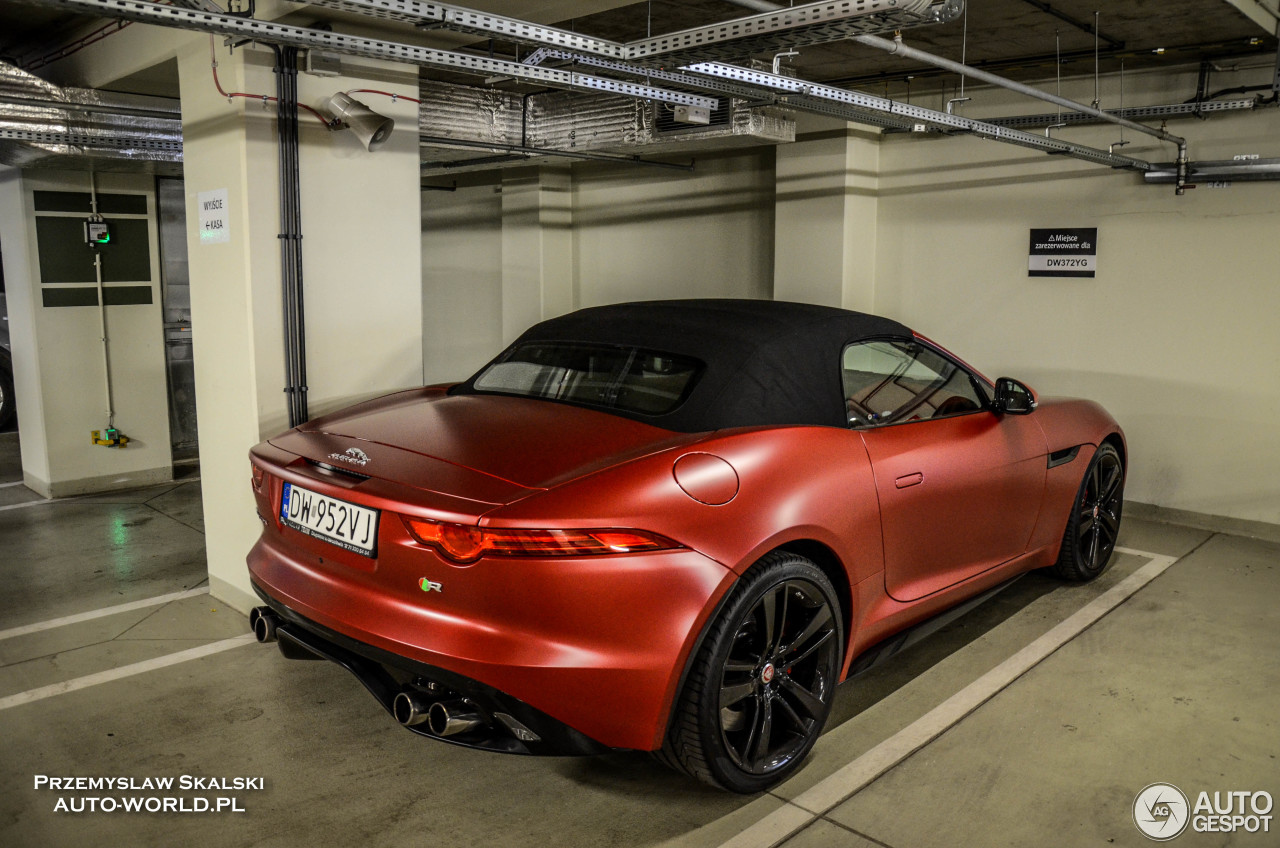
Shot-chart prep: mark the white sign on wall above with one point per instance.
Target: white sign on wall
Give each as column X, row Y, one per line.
column 215, row 226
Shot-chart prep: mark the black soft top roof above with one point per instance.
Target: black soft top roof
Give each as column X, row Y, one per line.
column 767, row 362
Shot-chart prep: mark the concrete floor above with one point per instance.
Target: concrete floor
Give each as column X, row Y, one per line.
column 1178, row 684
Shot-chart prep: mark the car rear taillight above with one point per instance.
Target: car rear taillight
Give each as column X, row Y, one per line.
column 464, row 543
column 258, row 475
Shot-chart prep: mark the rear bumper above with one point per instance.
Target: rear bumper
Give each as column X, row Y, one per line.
column 386, row 675
column 587, row 652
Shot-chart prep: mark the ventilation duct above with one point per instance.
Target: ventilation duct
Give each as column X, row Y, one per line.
column 47, row 126
column 576, row 123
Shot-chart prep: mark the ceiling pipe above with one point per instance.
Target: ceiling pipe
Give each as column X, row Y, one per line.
column 895, row 47
column 523, row 151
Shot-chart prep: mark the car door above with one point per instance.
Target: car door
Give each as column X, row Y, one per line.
column 959, row 485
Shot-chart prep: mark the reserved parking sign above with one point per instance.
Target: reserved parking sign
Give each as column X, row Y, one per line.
column 1063, row 253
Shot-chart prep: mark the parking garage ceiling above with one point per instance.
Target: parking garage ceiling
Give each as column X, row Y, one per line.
column 1020, row 39
column 1015, row 38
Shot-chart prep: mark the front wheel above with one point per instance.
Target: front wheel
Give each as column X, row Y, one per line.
column 760, row 689
column 1094, row 524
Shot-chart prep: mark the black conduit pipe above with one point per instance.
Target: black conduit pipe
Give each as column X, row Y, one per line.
column 295, row 343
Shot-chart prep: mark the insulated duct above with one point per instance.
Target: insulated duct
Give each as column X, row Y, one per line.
column 47, row 126
column 608, row 124
column 575, row 125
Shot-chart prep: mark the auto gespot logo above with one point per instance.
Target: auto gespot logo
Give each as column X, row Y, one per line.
column 1161, row 811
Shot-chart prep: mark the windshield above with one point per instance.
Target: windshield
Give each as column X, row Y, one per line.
column 628, row 379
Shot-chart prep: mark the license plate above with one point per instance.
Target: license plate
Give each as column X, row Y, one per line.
column 346, row 525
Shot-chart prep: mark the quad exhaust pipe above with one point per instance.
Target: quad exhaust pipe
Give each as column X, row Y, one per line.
column 263, row 622
column 266, row 626
column 451, row 717
column 409, row 709
column 420, row 702
column 444, row 718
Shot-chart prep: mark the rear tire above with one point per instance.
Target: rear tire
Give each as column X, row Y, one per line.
column 1094, row 524
column 761, row 687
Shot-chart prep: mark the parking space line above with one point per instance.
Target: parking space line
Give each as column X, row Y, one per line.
column 829, row 793
column 26, row 504
column 10, row 485
column 100, row 613
column 74, row 498
column 124, row 671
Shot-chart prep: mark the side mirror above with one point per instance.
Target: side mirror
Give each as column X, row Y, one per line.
column 1013, row 397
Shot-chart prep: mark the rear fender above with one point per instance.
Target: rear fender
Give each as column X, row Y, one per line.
column 796, row 483
column 793, row 483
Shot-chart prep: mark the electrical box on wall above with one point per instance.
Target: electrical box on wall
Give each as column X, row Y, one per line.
column 321, row 64
column 110, row 438
column 96, row 232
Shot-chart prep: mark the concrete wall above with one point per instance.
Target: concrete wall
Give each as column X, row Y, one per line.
column 1178, row 335
column 461, row 280
column 645, row 233
column 495, row 260
column 825, row 215
column 60, row 370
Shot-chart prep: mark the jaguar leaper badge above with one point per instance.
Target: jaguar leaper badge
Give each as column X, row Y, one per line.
column 430, row 585
column 355, row 456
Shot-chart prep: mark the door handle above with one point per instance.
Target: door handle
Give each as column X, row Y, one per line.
column 909, row 480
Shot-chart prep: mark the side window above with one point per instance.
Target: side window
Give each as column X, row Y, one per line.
column 893, row 381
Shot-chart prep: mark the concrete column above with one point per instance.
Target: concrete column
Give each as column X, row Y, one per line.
column 461, row 280
column 20, row 290
column 825, row 216
column 60, row 371
column 361, row 266
column 537, row 247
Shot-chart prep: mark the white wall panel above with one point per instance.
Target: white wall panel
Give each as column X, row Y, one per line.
column 1179, row 333
column 461, row 280
column 644, row 234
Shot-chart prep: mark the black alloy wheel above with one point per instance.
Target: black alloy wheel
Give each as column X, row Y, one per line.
column 1094, row 525
column 760, row 689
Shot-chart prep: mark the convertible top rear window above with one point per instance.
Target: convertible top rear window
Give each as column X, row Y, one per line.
column 627, row 379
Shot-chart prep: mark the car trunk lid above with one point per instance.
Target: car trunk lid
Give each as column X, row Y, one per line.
column 486, row 448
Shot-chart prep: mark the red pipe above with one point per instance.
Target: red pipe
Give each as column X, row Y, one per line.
column 213, row 64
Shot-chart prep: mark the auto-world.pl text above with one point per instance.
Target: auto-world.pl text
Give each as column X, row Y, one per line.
column 144, row 803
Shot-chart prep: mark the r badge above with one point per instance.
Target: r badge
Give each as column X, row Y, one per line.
column 430, row 585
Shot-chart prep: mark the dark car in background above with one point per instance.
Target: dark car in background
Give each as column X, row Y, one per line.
column 7, row 407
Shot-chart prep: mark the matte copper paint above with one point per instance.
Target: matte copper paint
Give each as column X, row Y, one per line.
column 601, row 643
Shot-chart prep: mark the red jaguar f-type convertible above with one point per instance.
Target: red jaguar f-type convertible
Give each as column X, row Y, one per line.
column 668, row 526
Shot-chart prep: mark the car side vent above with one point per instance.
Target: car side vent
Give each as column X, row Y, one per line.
column 1064, row 456
column 346, row 472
